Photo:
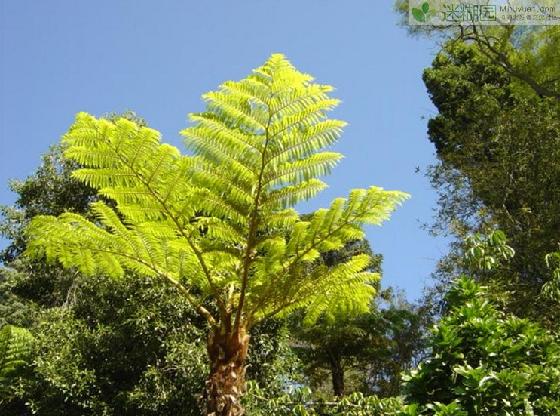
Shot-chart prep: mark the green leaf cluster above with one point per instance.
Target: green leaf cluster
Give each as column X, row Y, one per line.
column 485, row 362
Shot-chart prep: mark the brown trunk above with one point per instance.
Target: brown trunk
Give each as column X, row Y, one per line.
column 337, row 372
column 226, row 382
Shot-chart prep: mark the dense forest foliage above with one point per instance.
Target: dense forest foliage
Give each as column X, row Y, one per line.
column 140, row 281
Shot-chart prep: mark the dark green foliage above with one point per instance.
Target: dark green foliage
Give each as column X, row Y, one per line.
column 485, row 362
column 399, row 344
column 132, row 347
column 487, row 252
column 364, row 353
column 271, row 362
column 14, row 310
column 128, row 347
column 497, row 142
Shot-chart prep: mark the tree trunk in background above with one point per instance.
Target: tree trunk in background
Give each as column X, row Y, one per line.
column 337, row 372
column 226, row 383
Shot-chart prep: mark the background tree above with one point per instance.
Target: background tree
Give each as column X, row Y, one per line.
column 497, row 146
column 365, row 353
column 334, row 341
column 218, row 225
column 497, row 91
column 400, row 343
column 485, row 362
column 130, row 347
column 527, row 53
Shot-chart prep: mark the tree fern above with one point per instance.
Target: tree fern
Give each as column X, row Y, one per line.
column 15, row 351
column 219, row 223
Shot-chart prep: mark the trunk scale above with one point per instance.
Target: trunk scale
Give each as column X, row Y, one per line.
column 226, row 383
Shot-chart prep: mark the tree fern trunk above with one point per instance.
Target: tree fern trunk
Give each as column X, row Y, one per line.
column 337, row 373
column 226, row 382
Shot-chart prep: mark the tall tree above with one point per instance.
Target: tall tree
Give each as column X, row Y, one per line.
column 219, row 225
column 497, row 147
column 334, row 340
column 528, row 54
column 364, row 352
column 497, row 91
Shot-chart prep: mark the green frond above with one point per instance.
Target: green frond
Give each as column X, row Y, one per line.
column 288, row 196
column 283, row 219
column 319, row 164
column 346, row 287
column 299, row 144
column 15, row 352
column 345, row 290
column 345, row 300
column 216, row 228
column 331, row 228
column 254, row 129
column 306, row 117
column 128, row 163
column 236, row 110
column 291, row 102
column 222, row 207
column 77, row 242
column 278, row 70
column 250, row 89
column 212, row 131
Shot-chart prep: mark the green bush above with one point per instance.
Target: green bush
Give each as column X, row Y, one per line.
column 125, row 347
column 300, row 402
column 484, row 362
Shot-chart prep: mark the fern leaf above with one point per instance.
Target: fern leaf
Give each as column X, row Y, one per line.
column 15, row 352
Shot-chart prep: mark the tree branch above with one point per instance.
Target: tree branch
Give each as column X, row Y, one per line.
column 500, row 58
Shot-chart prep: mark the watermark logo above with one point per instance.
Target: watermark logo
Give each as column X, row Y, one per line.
column 483, row 12
column 421, row 14
column 456, row 13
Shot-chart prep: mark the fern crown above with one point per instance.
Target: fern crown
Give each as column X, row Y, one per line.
column 219, row 224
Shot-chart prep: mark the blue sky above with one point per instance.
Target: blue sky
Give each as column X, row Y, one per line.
column 157, row 58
